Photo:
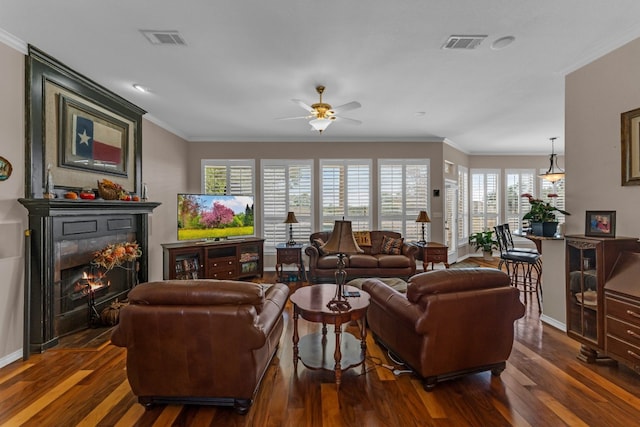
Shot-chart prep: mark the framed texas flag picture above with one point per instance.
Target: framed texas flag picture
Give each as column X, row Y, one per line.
column 91, row 140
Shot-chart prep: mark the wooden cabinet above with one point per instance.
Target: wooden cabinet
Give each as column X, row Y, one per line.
column 622, row 311
column 229, row 259
column 589, row 263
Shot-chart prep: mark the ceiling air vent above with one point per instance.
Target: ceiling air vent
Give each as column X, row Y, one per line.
column 164, row 37
column 463, row 42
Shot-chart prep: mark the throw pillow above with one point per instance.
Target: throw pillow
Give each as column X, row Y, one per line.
column 362, row 238
column 391, row 246
column 319, row 243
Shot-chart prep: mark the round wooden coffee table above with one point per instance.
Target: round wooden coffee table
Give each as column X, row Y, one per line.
column 314, row 350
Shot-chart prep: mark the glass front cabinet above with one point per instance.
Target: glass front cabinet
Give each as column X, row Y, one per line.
column 589, row 262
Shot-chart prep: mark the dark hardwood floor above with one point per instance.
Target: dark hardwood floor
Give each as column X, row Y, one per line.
column 83, row 382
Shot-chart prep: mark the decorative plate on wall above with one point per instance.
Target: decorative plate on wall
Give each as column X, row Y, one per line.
column 5, row 169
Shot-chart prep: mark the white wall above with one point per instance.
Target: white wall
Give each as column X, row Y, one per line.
column 596, row 95
column 13, row 217
column 164, row 170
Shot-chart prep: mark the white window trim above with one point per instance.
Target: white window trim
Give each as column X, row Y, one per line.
column 345, row 163
column 286, row 164
column 406, row 217
column 466, row 210
column 228, row 164
column 498, row 195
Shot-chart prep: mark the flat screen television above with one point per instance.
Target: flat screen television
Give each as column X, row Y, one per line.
column 205, row 216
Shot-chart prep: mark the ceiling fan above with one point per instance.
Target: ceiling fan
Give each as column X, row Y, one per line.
column 322, row 114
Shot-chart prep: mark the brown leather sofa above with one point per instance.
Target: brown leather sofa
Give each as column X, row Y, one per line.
column 450, row 322
column 200, row 341
column 371, row 263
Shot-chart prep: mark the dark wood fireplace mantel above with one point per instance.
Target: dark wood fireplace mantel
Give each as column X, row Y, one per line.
column 61, row 220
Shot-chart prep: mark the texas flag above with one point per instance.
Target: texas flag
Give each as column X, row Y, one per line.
column 95, row 141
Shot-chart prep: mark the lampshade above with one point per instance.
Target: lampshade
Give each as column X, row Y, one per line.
column 320, row 124
column 291, row 218
column 554, row 173
column 342, row 240
column 423, row 217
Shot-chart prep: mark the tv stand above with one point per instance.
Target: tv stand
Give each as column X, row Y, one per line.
column 224, row 259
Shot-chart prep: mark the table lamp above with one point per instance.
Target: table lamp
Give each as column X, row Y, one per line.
column 423, row 217
column 291, row 219
column 341, row 243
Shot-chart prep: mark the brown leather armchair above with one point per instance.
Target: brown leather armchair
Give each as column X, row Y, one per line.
column 200, row 341
column 450, row 322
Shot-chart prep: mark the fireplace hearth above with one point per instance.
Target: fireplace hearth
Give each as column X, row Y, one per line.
column 64, row 291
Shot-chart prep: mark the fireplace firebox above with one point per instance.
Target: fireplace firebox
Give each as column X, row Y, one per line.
column 63, row 289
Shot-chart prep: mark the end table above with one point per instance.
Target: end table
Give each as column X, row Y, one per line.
column 432, row 252
column 290, row 254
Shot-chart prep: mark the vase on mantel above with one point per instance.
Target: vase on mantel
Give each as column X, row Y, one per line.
column 544, row 229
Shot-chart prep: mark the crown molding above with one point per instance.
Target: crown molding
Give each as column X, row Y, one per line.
column 13, row 42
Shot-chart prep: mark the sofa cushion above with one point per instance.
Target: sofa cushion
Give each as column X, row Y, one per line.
column 363, row 261
column 393, row 261
column 391, row 246
column 331, row 261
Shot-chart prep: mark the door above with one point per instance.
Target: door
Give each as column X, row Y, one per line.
column 451, row 219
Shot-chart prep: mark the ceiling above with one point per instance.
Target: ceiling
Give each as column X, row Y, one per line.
column 244, row 60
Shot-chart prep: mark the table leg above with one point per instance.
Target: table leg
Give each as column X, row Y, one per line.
column 296, row 337
column 363, row 333
column 337, row 355
column 279, row 271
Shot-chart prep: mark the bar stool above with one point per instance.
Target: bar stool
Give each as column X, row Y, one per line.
column 520, row 266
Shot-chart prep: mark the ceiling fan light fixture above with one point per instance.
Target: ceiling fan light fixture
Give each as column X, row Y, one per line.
column 320, row 124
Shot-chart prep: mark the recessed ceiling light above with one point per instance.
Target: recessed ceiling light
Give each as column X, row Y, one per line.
column 502, row 42
column 141, row 88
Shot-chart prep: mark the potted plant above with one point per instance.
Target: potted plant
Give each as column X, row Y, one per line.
column 542, row 216
column 484, row 240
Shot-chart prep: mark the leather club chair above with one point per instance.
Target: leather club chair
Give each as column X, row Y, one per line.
column 450, row 323
column 200, row 341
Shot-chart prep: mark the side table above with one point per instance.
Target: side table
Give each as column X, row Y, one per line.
column 290, row 254
column 315, row 350
column 433, row 252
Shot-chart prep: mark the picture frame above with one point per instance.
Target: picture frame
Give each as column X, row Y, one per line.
column 90, row 139
column 630, row 147
column 600, row 224
column 5, row 169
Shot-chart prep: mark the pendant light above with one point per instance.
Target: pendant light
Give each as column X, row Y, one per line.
column 554, row 173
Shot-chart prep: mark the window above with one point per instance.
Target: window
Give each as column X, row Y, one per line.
column 463, row 204
column 234, row 177
column 484, row 199
column 518, row 182
column 345, row 191
column 403, row 193
column 286, row 187
column 547, row 188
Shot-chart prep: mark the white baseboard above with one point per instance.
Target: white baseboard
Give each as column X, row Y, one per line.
column 10, row 358
column 553, row 322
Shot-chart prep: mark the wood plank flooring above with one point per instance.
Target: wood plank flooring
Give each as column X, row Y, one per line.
column 543, row 385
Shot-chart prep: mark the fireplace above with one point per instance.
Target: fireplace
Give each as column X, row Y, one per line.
column 63, row 289
column 80, row 288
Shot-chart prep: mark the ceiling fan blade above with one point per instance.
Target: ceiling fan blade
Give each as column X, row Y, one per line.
column 303, row 105
column 294, row 118
column 348, row 106
column 348, row 120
